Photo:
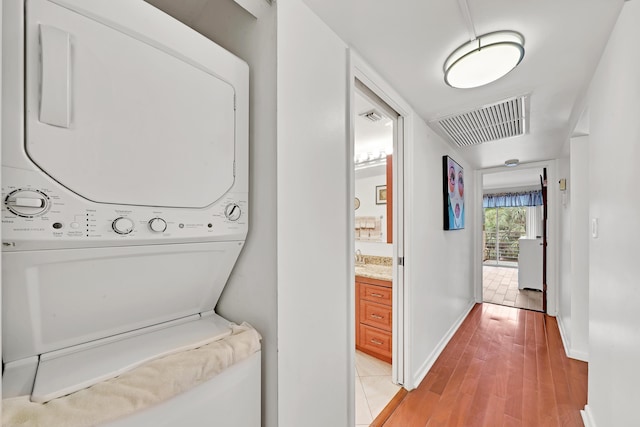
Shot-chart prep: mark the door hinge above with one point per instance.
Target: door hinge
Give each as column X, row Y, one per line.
column 401, row 260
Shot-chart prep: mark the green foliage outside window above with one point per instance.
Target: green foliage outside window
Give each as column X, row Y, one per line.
column 501, row 242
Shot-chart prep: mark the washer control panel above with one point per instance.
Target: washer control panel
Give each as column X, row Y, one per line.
column 233, row 211
column 122, row 225
column 39, row 217
column 27, row 203
column 158, row 225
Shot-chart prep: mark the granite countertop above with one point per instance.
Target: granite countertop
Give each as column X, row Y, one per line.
column 375, row 267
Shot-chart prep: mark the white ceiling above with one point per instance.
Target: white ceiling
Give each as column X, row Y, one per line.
column 371, row 137
column 512, row 178
column 407, row 42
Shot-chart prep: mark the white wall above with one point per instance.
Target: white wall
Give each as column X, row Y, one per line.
column 315, row 296
column 375, row 249
column 0, row 229
column 439, row 264
column 578, row 188
column 250, row 294
column 614, row 290
column 564, row 254
column 573, row 291
column 365, row 190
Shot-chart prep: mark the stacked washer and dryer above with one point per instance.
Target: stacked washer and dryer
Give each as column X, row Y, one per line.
column 125, row 192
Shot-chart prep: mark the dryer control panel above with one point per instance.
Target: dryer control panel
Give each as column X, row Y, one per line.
column 49, row 216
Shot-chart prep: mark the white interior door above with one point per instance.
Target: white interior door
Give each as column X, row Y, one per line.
column 399, row 318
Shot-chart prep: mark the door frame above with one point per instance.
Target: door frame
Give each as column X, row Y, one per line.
column 553, row 202
column 360, row 70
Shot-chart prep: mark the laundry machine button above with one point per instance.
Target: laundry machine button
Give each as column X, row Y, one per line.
column 232, row 212
column 122, row 225
column 157, row 225
column 27, row 203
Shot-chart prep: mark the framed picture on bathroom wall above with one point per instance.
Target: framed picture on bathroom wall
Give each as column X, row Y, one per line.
column 381, row 194
column 453, row 194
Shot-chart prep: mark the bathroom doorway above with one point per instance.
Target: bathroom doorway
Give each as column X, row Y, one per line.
column 378, row 201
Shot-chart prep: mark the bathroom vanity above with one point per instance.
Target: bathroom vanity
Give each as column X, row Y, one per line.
column 374, row 310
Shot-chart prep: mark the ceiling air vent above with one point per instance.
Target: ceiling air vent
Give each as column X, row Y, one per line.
column 372, row 115
column 501, row 120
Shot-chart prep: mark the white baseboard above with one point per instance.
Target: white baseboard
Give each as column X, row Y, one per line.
column 424, row 368
column 570, row 352
column 578, row 355
column 563, row 334
column 587, row 417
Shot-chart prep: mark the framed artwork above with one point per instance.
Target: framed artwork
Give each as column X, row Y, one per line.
column 453, row 194
column 381, row 194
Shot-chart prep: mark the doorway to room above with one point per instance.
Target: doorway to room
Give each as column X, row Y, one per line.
column 503, row 226
column 377, row 235
column 512, row 239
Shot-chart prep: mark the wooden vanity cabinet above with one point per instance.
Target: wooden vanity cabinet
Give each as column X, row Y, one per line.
column 374, row 317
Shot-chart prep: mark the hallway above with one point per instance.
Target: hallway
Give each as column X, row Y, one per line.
column 503, row 367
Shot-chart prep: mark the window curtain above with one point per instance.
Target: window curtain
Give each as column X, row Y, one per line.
column 510, row 200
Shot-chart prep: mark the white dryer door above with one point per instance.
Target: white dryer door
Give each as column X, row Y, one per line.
column 117, row 117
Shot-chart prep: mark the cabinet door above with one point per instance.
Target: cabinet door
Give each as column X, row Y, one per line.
column 374, row 293
column 376, row 341
column 357, row 323
column 376, row 315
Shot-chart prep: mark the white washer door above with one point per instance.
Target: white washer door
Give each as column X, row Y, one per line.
column 118, row 118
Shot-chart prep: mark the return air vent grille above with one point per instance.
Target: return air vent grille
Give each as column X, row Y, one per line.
column 501, row 120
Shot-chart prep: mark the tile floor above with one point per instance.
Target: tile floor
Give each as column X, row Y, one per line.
column 501, row 287
column 374, row 388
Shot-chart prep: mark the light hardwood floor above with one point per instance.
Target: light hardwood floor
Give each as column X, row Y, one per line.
column 503, row 367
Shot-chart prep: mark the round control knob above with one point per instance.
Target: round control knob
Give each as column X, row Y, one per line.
column 122, row 225
column 27, row 203
column 232, row 212
column 157, row 225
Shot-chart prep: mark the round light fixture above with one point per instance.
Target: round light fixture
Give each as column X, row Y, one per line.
column 511, row 163
column 484, row 60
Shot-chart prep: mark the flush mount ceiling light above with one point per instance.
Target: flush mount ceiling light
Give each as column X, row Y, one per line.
column 511, row 163
column 484, row 59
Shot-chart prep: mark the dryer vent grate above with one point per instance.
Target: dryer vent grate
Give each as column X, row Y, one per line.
column 504, row 119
